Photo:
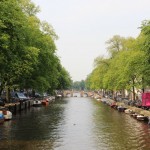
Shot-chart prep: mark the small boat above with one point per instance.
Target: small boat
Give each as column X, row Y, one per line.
column 37, row 103
column 121, row 108
column 51, row 99
column 1, row 118
column 6, row 113
column 98, row 99
column 113, row 105
column 141, row 117
column 58, row 95
column 128, row 111
column 45, row 102
column 134, row 115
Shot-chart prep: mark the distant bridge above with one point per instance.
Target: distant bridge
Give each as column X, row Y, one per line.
column 73, row 93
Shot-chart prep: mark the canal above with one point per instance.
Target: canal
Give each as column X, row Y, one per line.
column 77, row 123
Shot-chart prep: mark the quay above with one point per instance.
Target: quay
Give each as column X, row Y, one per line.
column 20, row 106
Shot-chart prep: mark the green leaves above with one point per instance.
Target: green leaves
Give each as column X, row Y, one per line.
column 145, row 45
column 48, row 29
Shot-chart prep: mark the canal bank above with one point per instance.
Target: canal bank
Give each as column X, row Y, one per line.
column 136, row 112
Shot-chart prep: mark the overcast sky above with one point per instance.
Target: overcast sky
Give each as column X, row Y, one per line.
column 83, row 27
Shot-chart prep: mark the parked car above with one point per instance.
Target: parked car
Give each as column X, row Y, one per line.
column 2, row 102
column 138, row 103
column 18, row 96
column 38, row 95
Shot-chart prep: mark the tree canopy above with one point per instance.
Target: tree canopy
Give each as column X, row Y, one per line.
column 128, row 64
column 28, row 58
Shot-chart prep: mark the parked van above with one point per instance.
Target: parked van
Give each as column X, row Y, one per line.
column 19, row 96
column 146, row 100
column 14, row 97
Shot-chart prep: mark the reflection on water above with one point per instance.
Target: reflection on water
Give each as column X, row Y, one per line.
column 117, row 131
column 74, row 124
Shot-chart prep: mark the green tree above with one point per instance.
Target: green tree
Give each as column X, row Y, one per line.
column 16, row 56
column 115, row 44
column 28, row 56
column 145, row 46
column 124, row 68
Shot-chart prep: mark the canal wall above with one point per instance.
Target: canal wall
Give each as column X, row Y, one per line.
column 17, row 107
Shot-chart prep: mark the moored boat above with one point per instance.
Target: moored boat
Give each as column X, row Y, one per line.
column 59, row 96
column 113, row 105
column 142, row 118
column 6, row 113
column 45, row 102
column 134, row 115
column 1, row 118
column 128, row 111
column 121, row 108
column 37, row 103
column 98, row 99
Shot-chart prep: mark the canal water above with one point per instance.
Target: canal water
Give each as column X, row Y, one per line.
column 77, row 123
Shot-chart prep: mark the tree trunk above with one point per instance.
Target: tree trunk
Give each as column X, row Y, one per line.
column 143, row 84
column 123, row 93
column 7, row 94
column 133, row 88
